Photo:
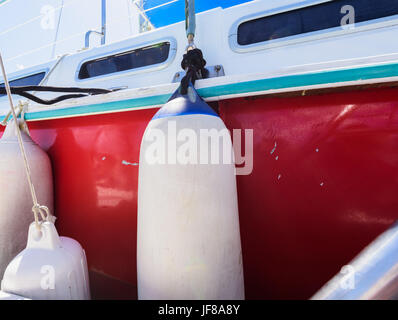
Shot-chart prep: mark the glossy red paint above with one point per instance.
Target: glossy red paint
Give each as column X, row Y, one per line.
column 95, row 163
column 337, row 167
column 337, row 188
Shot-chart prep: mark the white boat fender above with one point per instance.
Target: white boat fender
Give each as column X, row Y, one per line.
column 15, row 198
column 188, row 238
column 50, row 267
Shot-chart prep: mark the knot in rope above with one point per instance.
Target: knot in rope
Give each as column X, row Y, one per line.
column 43, row 212
column 18, row 111
column 194, row 65
column 23, row 105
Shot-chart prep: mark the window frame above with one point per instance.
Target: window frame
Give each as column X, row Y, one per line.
column 21, row 76
column 144, row 69
column 29, row 74
column 304, row 37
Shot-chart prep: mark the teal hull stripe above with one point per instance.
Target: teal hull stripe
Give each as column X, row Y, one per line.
column 284, row 82
column 302, row 80
column 98, row 108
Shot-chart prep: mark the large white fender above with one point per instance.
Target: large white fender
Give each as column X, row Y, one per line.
column 15, row 198
column 50, row 267
column 188, row 238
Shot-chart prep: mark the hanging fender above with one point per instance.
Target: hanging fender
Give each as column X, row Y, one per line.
column 188, row 240
column 15, row 197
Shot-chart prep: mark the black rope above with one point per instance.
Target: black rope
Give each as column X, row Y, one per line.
column 194, row 65
column 79, row 92
column 52, row 101
column 60, row 89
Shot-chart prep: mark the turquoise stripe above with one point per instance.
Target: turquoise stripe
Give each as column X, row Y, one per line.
column 284, row 82
column 99, row 107
column 302, row 80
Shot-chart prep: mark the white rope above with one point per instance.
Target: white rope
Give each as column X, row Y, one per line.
column 37, row 208
column 23, row 106
column 5, row 120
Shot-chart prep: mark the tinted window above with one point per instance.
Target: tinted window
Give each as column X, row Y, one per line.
column 32, row 80
column 313, row 18
column 125, row 61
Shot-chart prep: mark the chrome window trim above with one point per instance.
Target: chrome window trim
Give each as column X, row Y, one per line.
column 150, row 68
column 304, row 37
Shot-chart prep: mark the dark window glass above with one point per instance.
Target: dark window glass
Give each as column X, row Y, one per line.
column 313, row 18
column 125, row 61
column 32, row 80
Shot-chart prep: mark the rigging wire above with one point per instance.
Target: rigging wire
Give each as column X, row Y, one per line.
column 33, row 19
column 58, row 25
column 25, row 53
column 56, row 42
column 3, row 2
column 142, row 14
column 44, row 46
column 160, row 5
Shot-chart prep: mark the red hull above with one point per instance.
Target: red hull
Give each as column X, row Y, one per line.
column 337, row 167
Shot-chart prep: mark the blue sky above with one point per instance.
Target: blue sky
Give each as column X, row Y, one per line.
column 175, row 12
column 26, row 39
